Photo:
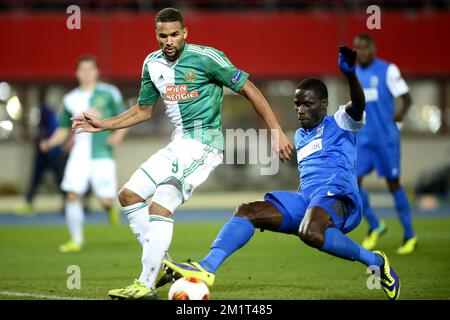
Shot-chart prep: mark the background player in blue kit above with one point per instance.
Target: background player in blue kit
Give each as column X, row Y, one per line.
column 328, row 204
column 379, row 140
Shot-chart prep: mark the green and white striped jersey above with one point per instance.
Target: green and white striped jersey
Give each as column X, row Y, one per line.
column 104, row 101
column 192, row 90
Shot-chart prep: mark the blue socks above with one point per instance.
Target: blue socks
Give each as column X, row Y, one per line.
column 404, row 213
column 367, row 210
column 238, row 231
column 401, row 205
column 339, row 245
column 234, row 234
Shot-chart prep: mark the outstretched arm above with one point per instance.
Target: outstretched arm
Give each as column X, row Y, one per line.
column 355, row 108
column 262, row 108
column 88, row 123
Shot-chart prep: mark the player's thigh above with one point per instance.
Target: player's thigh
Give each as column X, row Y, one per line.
column 76, row 176
column 104, row 178
column 155, row 169
column 364, row 161
column 199, row 170
column 262, row 214
column 292, row 206
column 388, row 161
column 174, row 172
column 191, row 167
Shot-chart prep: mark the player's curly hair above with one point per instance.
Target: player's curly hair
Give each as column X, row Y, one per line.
column 170, row 15
column 315, row 85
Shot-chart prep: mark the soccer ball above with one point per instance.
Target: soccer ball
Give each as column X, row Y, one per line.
column 189, row 289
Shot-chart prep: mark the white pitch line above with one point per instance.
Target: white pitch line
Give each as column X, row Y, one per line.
column 39, row 296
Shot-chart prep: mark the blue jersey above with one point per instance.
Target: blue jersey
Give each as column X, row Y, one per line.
column 326, row 157
column 382, row 83
column 326, row 154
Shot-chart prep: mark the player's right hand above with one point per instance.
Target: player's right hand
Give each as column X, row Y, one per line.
column 347, row 59
column 86, row 122
column 283, row 147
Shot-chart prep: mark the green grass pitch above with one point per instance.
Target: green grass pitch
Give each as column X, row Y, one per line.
column 271, row 266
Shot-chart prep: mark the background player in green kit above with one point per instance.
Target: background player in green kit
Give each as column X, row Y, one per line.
column 91, row 160
column 190, row 79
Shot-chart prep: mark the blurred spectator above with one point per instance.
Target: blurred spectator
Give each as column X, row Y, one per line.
column 433, row 186
column 43, row 161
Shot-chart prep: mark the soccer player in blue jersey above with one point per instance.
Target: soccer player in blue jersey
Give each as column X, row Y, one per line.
column 328, row 204
column 379, row 140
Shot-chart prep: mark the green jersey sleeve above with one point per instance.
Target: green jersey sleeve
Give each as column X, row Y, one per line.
column 64, row 118
column 148, row 95
column 222, row 70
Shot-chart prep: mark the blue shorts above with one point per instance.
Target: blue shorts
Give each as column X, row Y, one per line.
column 345, row 210
column 385, row 159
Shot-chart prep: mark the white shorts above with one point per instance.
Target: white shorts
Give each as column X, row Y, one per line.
column 99, row 173
column 183, row 163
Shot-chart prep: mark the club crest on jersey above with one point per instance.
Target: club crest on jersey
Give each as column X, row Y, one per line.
column 319, row 132
column 190, row 76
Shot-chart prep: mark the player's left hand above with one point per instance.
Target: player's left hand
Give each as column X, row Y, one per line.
column 347, row 59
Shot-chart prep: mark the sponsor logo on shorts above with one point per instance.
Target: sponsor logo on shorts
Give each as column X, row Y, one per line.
column 175, row 92
column 188, row 188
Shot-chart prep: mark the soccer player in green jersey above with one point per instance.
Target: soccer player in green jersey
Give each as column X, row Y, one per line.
column 189, row 78
column 91, row 160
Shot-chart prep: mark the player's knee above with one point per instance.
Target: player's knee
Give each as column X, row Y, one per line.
column 312, row 236
column 245, row 210
column 159, row 210
column 128, row 197
column 393, row 185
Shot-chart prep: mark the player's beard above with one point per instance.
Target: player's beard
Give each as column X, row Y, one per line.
column 174, row 55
